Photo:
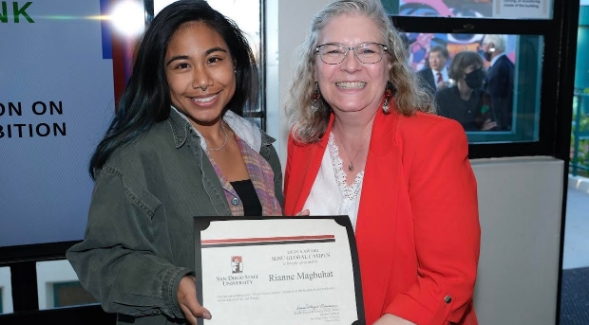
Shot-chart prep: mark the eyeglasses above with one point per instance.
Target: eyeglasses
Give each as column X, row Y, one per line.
column 367, row 53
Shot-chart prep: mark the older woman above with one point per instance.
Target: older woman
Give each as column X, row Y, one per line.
column 466, row 102
column 364, row 143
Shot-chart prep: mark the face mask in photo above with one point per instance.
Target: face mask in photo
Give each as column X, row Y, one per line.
column 488, row 56
column 474, row 80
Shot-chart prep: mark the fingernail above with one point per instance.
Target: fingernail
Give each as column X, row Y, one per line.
column 206, row 315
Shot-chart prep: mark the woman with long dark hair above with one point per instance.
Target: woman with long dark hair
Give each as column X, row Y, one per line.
column 177, row 148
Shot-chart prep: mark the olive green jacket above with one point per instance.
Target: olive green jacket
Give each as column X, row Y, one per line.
column 139, row 237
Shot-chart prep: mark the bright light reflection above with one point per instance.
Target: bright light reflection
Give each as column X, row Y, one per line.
column 128, row 18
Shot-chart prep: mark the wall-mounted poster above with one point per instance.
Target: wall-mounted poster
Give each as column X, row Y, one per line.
column 56, row 101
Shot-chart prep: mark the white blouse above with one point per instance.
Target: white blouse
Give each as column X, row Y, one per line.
column 330, row 195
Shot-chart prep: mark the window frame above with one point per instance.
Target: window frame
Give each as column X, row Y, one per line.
column 555, row 98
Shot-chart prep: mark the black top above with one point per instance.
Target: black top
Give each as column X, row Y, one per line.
column 471, row 113
column 247, row 193
column 499, row 85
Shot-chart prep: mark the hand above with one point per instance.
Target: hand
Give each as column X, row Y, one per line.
column 488, row 125
column 305, row 212
column 188, row 302
column 389, row 319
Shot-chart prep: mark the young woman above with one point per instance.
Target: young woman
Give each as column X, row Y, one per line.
column 177, row 148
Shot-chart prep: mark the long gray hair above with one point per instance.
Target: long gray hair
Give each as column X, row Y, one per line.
column 309, row 125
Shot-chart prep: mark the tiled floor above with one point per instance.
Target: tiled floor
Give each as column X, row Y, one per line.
column 576, row 237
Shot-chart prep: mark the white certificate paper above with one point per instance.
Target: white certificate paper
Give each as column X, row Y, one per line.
column 278, row 271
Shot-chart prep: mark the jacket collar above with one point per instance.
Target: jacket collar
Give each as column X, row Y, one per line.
column 384, row 127
column 244, row 129
column 180, row 127
column 383, row 142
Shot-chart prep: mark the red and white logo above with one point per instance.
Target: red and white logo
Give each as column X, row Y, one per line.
column 236, row 264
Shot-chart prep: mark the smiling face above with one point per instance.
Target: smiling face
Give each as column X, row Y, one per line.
column 352, row 86
column 200, row 73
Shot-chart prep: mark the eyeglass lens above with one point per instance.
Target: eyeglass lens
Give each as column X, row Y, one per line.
column 368, row 53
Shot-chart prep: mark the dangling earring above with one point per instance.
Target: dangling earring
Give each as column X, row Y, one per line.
column 388, row 93
column 316, row 99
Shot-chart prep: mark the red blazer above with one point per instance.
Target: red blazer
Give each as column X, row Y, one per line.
column 417, row 232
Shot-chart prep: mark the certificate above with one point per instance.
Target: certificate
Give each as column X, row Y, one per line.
column 278, row 270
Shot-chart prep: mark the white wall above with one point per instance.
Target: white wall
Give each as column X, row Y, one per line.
column 294, row 22
column 519, row 200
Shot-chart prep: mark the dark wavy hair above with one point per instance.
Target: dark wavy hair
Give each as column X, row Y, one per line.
column 461, row 61
column 440, row 49
column 146, row 99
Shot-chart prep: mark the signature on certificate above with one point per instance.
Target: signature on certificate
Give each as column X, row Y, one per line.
column 308, row 307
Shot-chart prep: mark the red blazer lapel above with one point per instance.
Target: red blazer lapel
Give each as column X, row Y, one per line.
column 378, row 209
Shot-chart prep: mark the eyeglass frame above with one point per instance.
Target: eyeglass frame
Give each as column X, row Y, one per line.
column 348, row 48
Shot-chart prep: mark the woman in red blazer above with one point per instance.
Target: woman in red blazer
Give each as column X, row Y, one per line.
column 364, row 143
